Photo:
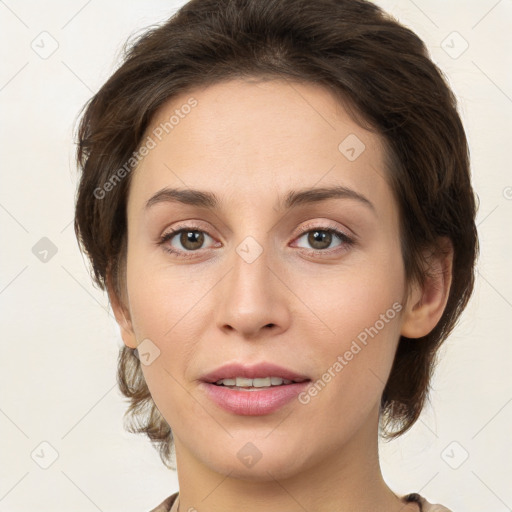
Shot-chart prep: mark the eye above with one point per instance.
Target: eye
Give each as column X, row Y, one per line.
column 321, row 238
column 183, row 239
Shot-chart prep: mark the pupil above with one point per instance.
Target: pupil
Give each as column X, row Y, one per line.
column 320, row 237
column 195, row 238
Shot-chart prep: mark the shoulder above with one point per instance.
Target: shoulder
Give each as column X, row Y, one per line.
column 166, row 505
column 425, row 505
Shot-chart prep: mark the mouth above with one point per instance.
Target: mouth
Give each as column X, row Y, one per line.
column 263, row 374
column 253, row 401
column 246, row 384
column 253, row 390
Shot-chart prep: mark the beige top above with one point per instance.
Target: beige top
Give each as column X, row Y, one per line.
column 170, row 504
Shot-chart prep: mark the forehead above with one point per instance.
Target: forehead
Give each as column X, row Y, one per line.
column 246, row 138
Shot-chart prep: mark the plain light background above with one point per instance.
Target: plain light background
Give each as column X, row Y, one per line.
column 59, row 403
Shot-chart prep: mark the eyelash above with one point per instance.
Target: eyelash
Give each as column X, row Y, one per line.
column 347, row 241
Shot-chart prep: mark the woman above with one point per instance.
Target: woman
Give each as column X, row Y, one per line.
column 276, row 196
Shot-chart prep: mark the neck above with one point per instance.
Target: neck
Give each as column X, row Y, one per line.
column 344, row 479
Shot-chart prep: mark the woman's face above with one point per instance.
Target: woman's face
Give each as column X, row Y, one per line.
column 260, row 279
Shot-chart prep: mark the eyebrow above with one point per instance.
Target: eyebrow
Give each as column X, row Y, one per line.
column 292, row 199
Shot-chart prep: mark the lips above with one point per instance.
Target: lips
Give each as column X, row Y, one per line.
column 253, row 403
column 257, row 371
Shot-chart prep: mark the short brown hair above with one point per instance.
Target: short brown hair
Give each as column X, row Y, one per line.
column 377, row 67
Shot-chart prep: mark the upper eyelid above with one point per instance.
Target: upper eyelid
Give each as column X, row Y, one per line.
column 327, row 226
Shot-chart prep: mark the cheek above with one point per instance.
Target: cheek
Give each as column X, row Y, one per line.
column 360, row 314
column 348, row 300
column 161, row 297
column 167, row 308
column 165, row 311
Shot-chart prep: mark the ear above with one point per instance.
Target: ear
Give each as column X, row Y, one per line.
column 122, row 314
column 425, row 304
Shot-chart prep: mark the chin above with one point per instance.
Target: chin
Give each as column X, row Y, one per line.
column 278, row 469
column 260, row 460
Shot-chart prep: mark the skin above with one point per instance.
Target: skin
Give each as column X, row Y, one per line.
column 250, row 143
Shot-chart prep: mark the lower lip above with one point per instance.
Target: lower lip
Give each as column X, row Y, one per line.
column 253, row 403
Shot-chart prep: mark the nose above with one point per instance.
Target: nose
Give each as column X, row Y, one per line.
column 252, row 300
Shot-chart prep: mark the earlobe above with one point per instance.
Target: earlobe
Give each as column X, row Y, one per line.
column 122, row 316
column 426, row 303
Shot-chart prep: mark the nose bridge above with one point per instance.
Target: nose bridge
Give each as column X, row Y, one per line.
column 250, row 298
column 250, row 278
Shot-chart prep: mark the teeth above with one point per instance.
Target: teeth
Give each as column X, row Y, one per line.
column 261, row 383
column 243, row 382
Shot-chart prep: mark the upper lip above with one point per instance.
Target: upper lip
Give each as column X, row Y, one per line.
column 260, row 370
